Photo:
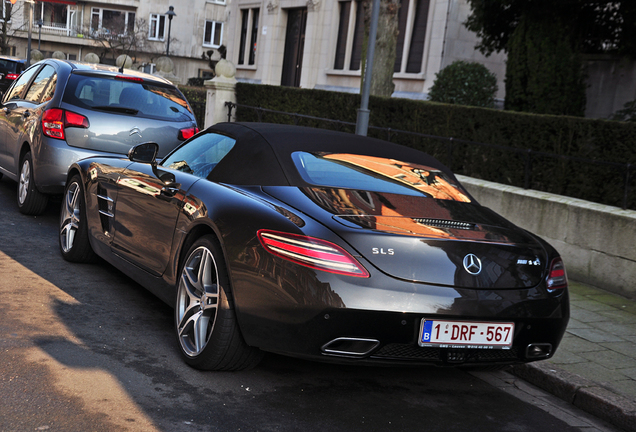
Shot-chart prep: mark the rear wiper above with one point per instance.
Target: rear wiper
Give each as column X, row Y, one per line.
column 122, row 110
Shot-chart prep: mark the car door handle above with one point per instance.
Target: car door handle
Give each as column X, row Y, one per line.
column 27, row 114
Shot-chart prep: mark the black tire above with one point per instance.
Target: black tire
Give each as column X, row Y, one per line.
column 73, row 234
column 30, row 200
column 205, row 321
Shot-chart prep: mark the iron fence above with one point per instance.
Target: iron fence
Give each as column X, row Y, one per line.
column 604, row 182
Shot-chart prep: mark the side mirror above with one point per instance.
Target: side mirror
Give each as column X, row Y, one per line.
column 144, row 153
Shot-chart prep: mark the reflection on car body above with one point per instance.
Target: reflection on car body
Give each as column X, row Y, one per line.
column 317, row 244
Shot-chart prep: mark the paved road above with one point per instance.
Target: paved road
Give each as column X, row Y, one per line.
column 83, row 348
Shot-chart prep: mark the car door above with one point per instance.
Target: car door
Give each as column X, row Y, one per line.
column 150, row 199
column 146, row 212
column 12, row 118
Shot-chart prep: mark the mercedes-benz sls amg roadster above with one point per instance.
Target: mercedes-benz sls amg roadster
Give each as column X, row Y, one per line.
column 317, row 244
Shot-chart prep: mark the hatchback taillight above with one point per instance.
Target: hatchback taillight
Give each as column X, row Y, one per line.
column 186, row 133
column 55, row 120
column 311, row 252
column 12, row 76
column 557, row 278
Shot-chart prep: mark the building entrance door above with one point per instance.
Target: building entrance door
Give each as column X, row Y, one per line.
column 294, row 46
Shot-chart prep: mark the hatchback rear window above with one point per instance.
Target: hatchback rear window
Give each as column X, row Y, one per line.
column 377, row 174
column 127, row 97
column 8, row 66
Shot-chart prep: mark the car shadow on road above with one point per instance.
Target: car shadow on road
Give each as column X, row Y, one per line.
column 109, row 342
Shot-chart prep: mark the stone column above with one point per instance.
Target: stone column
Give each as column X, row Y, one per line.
column 221, row 88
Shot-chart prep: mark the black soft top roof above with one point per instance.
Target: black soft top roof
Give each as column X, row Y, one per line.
column 262, row 154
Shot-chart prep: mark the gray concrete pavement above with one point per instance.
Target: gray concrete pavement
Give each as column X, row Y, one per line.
column 595, row 365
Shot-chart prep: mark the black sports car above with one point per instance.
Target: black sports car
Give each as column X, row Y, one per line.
column 317, row 244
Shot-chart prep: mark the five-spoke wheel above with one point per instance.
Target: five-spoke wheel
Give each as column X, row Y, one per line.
column 205, row 321
column 74, row 243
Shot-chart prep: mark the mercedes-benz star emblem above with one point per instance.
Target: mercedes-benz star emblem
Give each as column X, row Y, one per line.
column 472, row 264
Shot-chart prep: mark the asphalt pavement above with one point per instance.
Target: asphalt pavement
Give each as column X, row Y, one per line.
column 594, row 368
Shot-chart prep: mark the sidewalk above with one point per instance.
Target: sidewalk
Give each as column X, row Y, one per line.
column 594, row 368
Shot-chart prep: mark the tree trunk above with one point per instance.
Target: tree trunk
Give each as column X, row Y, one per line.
column 385, row 44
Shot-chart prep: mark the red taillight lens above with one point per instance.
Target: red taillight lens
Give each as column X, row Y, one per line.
column 12, row 76
column 186, row 133
column 52, row 124
column 129, row 78
column 311, row 252
column 75, row 120
column 54, row 121
column 557, row 278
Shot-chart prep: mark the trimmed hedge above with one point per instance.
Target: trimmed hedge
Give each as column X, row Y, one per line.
column 196, row 97
column 194, row 94
column 601, row 140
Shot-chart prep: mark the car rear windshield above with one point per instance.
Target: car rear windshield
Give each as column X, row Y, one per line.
column 10, row 66
column 127, row 97
column 377, row 174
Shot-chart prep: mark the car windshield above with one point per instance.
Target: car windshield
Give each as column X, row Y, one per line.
column 370, row 173
column 127, row 97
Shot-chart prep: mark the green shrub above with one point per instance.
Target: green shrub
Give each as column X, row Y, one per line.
column 544, row 74
column 194, row 94
column 465, row 83
column 195, row 82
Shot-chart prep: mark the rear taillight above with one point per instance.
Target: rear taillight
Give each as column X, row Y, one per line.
column 129, row 78
column 55, row 120
column 186, row 133
column 311, row 252
column 12, row 76
column 557, row 278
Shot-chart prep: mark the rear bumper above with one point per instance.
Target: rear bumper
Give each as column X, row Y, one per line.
column 52, row 161
column 340, row 319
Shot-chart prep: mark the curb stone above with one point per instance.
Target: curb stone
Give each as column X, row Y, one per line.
column 586, row 395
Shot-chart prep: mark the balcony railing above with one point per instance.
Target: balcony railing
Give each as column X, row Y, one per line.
column 55, row 29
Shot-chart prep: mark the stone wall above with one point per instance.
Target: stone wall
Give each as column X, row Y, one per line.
column 597, row 242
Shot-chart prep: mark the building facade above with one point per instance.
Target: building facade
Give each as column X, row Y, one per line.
column 303, row 43
column 76, row 27
column 318, row 43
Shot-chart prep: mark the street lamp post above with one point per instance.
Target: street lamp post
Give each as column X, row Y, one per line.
column 170, row 14
column 39, row 24
column 362, row 122
column 28, row 59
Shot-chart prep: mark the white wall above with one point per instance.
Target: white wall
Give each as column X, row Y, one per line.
column 597, row 242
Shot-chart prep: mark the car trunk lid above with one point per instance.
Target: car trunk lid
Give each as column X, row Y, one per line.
column 428, row 240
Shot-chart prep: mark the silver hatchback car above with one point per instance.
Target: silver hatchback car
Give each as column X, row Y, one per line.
column 58, row 112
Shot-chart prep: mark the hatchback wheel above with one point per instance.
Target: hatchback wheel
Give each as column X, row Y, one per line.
column 30, row 200
column 205, row 320
column 74, row 243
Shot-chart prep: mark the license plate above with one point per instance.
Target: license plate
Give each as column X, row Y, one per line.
column 466, row 334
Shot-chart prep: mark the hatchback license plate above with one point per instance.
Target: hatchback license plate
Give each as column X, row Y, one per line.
column 466, row 334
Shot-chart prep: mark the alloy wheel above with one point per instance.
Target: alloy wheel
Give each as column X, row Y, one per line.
column 197, row 301
column 25, row 181
column 70, row 217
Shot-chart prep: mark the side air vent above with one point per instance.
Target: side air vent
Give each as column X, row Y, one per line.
column 105, row 205
column 443, row 223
